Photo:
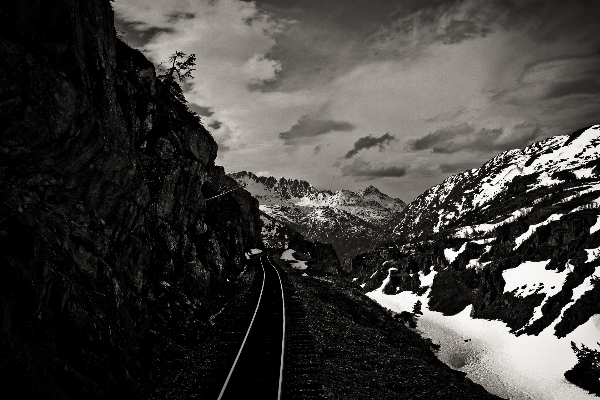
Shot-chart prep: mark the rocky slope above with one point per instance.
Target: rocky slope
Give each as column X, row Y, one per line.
column 366, row 352
column 109, row 244
column 348, row 220
column 518, row 238
column 275, row 234
column 479, row 230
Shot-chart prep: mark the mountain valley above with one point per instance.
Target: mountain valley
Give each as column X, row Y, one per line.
column 132, row 266
column 350, row 221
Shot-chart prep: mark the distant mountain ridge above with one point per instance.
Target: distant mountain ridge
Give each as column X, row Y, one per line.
column 348, row 220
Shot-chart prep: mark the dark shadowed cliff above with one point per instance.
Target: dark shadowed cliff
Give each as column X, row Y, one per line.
column 108, row 246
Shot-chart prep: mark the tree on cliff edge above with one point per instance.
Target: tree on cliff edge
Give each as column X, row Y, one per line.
column 180, row 67
column 179, row 70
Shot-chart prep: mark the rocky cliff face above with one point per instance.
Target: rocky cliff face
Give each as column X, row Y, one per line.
column 110, row 244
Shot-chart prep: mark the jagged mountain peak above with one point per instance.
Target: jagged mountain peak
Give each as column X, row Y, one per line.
column 344, row 218
column 371, row 190
column 268, row 189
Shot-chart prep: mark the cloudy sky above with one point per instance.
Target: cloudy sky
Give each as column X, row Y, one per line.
column 399, row 94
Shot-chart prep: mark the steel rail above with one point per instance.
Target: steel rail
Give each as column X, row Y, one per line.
column 245, row 337
column 283, row 334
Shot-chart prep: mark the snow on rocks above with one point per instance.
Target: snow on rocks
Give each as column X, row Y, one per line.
column 585, row 286
column 593, row 254
column 252, row 252
column 549, row 292
column 537, row 167
column 476, row 263
column 489, row 190
column 483, row 229
column 288, row 255
column 451, row 255
column 532, row 228
column 427, row 280
column 532, row 276
column 521, row 368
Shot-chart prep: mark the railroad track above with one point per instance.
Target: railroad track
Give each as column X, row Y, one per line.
column 278, row 357
column 262, row 347
column 258, row 366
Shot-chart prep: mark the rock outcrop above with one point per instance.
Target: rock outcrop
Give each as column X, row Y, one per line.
column 110, row 245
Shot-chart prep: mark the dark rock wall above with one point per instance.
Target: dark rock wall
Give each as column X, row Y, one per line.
column 108, row 245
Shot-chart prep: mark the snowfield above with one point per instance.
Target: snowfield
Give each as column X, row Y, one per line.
column 523, row 367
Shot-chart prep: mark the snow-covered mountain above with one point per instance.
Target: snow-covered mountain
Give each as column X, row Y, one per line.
column 561, row 169
column 275, row 234
column 517, row 240
column 348, row 220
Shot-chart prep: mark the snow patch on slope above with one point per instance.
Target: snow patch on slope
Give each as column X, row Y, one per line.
column 532, row 276
column 451, row 255
column 532, row 228
column 288, row 255
column 520, row 368
column 596, row 226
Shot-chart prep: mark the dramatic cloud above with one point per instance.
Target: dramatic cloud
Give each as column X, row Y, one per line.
column 458, row 167
column 215, row 124
column 563, row 90
column 259, row 69
column 223, row 136
column 364, row 169
column 370, row 141
column 581, row 86
column 560, row 69
column 202, row 111
column 449, row 22
column 457, row 31
column 232, row 40
column 456, row 80
column 308, row 127
column 465, row 136
column 432, row 139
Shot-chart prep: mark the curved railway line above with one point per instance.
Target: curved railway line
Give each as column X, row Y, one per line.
column 258, row 365
column 277, row 358
column 262, row 347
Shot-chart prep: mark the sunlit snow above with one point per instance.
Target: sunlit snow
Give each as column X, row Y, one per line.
column 523, row 367
column 482, row 229
column 252, row 252
column 451, row 254
column 288, row 255
column 427, row 280
column 549, row 292
column 533, row 228
column 531, row 276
